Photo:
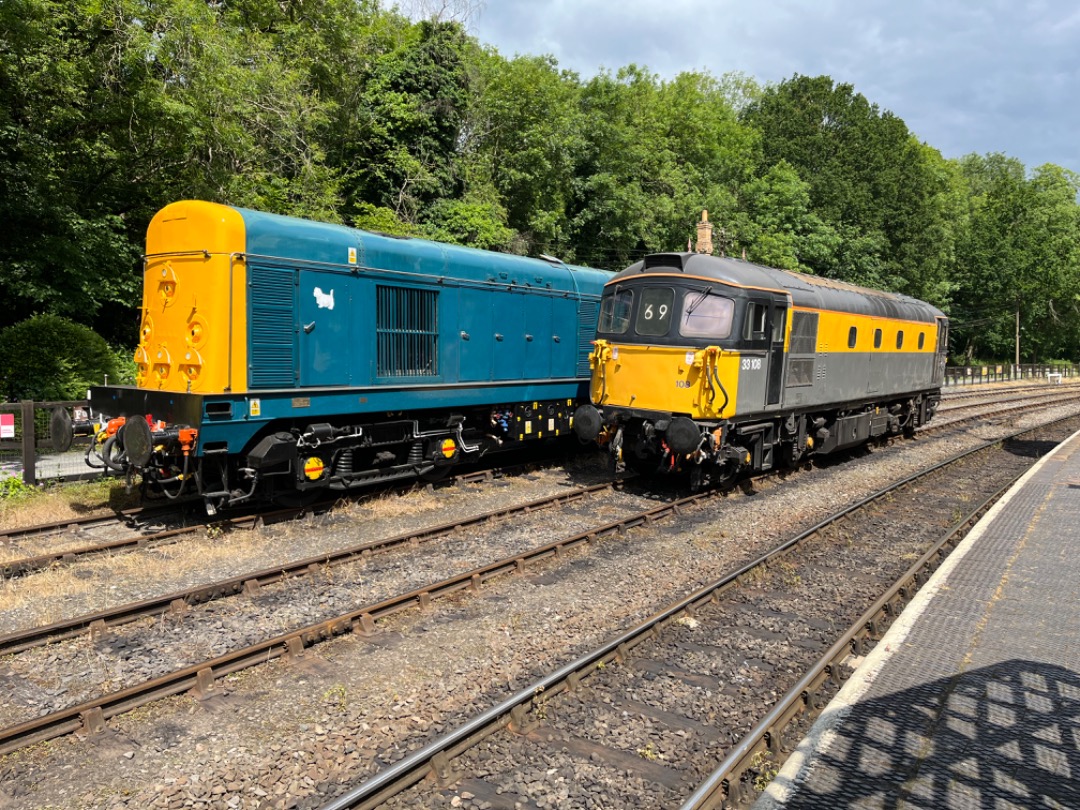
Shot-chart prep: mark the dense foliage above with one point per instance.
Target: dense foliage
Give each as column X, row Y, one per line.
column 47, row 357
column 345, row 111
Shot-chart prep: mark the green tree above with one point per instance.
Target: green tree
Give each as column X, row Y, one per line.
column 399, row 115
column 108, row 110
column 1021, row 256
column 63, row 162
column 521, row 144
column 870, row 181
column 775, row 225
column 656, row 154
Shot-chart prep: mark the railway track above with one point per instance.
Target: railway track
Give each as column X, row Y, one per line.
column 90, row 716
column 37, row 562
column 130, row 518
column 993, row 389
column 774, row 497
column 140, row 518
column 636, row 705
column 944, row 421
column 1030, row 397
column 177, row 602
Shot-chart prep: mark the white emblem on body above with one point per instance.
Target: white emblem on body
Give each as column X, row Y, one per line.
column 324, row 300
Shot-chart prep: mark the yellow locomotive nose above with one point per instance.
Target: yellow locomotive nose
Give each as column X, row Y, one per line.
column 701, row 383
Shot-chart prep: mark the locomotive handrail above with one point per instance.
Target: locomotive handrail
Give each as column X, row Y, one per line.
column 438, row 278
column 206, row 254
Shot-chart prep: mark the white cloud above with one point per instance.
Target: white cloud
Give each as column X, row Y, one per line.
column 990, row 77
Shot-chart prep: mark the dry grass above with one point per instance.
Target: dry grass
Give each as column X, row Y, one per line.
column 49, row 590
column 63, row 502
column 390, row 505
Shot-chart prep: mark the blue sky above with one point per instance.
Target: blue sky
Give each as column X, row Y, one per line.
column 965, row 76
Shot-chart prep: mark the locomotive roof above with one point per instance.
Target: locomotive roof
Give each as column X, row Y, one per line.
column 806, row 290
column 277, row 237
column 273, row 234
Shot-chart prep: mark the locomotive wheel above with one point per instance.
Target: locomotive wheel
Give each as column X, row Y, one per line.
column 725, row 477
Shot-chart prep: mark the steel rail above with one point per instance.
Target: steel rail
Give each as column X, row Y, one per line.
column 28, row 565
column 179, row 601
column 127, row 516
column 250, row 519
column 726, row 785
column 200, row 678
column 1040, row 398
column 434, row 758
column 937, row 426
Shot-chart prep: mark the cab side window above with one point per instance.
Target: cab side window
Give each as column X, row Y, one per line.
column 756, row 318
column 654, row 311
column 615, row 312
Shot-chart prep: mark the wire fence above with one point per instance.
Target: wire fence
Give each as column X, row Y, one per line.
column 46, row 451
column 975, row 375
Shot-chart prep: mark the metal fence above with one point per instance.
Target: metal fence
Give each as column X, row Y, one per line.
column 32, row 453
column 973, row 375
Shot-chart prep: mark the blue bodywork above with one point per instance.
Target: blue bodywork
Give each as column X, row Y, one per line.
column 343, row 322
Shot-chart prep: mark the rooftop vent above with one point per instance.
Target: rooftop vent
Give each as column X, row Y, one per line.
column 675, row 260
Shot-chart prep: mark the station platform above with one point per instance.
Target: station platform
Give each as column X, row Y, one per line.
column 972, row 698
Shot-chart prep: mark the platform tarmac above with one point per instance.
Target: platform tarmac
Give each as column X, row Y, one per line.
column 972, row 698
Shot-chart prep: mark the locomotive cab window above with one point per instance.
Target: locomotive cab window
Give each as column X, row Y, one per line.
column 615, row 312
column 756, row 318
column 877, row 338
column 779, row 324
column 900, row 339
column 705, row 315
column 654, row 311
column 852, row 336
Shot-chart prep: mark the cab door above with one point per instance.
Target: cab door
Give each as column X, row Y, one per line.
column 754, row 350
column 778, row 323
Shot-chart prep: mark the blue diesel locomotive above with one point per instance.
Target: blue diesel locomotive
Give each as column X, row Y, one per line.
column 279, row 357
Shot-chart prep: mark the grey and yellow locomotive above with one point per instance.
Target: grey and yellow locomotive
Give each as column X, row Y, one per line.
column 714, row 366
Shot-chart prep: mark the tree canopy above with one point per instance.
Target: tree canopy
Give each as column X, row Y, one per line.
column 347, row 111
